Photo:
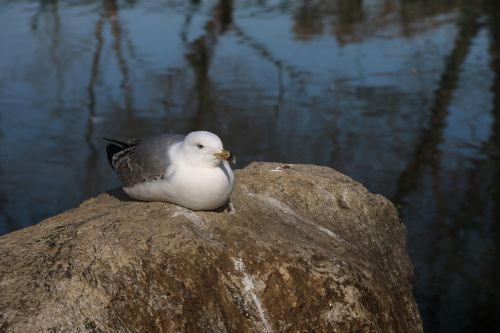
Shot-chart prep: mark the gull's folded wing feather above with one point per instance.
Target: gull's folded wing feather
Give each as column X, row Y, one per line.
column 144, row 160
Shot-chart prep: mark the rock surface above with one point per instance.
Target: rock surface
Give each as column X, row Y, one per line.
column 307, row 250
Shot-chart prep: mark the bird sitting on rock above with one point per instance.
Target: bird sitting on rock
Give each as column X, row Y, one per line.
column 191, row 171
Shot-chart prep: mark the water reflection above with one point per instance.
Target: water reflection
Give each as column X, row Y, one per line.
column 401, row 95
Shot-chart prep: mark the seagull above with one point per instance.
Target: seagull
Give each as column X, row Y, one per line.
column 191, row 171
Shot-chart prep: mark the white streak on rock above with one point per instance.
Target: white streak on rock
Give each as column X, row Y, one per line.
column 190, row 215
column 289, row 211
column 250, row 296
column 277, row 204
column 331, row 234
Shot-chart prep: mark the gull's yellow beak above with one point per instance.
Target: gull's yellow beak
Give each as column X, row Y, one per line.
column 226, row 156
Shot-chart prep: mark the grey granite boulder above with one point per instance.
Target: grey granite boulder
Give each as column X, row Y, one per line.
column 307, row 250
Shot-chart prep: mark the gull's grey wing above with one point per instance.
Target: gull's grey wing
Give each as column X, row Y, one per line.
column 145, row 160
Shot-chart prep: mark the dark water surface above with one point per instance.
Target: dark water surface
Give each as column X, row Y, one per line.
column 403, row 96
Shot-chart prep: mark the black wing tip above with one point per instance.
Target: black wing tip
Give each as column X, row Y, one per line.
column 121, row 143
column 112, row 150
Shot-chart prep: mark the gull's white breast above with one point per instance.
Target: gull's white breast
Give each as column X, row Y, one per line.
column 191, row 187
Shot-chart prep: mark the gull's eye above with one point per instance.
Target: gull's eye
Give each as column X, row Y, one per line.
column 199, row 146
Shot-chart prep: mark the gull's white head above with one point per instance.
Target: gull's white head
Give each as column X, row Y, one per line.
column 205, row 149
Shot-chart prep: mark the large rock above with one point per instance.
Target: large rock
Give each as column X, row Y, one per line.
column 308, row 250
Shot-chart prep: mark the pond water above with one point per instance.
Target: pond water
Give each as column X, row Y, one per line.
column 403, row 96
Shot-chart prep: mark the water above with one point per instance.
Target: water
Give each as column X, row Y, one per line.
column 403, row 96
